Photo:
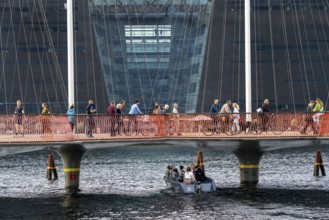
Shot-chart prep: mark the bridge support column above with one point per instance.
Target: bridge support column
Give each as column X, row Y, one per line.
column 71, row 155
column 249, row 160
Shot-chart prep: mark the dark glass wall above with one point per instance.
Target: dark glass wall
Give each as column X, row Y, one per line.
column 33, row 56
column 289, row 47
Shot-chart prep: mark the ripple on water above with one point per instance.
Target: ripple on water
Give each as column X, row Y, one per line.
column 127, row 182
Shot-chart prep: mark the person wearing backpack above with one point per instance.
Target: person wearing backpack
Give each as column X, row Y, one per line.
column 90, row 119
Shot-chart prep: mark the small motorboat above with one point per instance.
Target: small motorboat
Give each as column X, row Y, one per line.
column 206, row 186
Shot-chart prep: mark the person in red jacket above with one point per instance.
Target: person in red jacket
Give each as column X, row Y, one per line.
column 112, row 111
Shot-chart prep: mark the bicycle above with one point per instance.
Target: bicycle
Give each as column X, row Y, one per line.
column 224, row 126
column 138, row 125
column 254, row 127
column 276, row 124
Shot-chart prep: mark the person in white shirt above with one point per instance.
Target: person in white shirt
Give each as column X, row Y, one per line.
column 175, row 109
column 226, row 107
column 236, row 116
column 175, row 119
column 189, row 176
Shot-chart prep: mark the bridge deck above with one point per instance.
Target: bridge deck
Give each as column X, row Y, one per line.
column 56, row 128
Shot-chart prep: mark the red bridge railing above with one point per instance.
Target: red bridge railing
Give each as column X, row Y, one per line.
column 56, row 128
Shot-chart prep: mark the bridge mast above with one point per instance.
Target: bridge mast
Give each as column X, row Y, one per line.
column 247, row 57
column 70, row 52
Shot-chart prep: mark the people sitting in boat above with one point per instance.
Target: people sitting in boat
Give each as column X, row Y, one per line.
column 168, row 172
column 199, row 174
column 192, row 166
column 189, row 176
column 181, row 173
column 175, row 175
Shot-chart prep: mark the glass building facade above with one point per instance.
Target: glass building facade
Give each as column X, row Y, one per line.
column 184, row 51
column 33, row 56
column 289, row 53
column 152, row 50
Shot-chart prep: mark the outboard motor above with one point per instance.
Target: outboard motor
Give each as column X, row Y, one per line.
column 198, row 187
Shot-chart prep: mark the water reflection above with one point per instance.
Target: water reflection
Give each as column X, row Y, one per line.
column 71, row 205
column 71, row 201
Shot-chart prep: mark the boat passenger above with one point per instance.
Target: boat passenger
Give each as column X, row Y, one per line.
column 199, row 174
column 168, row 172
column 175, row 175
column 181, row 173
column 192, row 166
column 189, row 176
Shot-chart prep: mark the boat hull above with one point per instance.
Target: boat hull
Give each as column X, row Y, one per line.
column 207, row 186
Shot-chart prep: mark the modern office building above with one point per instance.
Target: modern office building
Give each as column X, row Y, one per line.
column 289, row 50
column 184, row 51
column 33, row 56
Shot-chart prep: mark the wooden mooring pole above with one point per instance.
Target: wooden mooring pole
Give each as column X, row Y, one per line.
column 51, row 168
column 318, row 165
column 199, row 160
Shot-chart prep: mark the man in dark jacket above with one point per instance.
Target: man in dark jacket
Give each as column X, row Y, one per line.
column 266, row 106
column 309, row 118
column 214, row 109
column 90, row 119
column 265, row 115
column 199, row 174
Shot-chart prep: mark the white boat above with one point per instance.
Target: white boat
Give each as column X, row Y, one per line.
column 206, row 186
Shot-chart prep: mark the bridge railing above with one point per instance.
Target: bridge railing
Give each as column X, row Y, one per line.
column 200, row 126
column 34, row 128
column 56, row 128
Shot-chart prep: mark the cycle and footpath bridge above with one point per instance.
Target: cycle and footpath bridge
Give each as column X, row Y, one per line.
column 248, row 141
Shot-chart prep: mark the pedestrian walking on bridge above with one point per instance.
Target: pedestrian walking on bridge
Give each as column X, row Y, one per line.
column 90, row 119
column 18, row 117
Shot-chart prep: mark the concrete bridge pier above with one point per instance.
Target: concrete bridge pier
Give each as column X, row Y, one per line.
column 249, row 156
column 71, row 155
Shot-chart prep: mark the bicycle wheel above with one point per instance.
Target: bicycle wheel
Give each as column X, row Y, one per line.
column 127, row 128
column 256, row 128
column 208, row 130
column 230, row 129
column 277, row 125
column 146, row 128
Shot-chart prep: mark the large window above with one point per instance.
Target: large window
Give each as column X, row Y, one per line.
column 148, row 31
column 148, row 45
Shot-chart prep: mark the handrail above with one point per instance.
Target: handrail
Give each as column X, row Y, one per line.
column 56, row 128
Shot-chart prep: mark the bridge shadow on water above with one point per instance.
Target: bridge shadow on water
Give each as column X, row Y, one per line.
column 164, row 205
column 300, row 197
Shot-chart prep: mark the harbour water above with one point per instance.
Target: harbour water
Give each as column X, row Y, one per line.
column 126, row 183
